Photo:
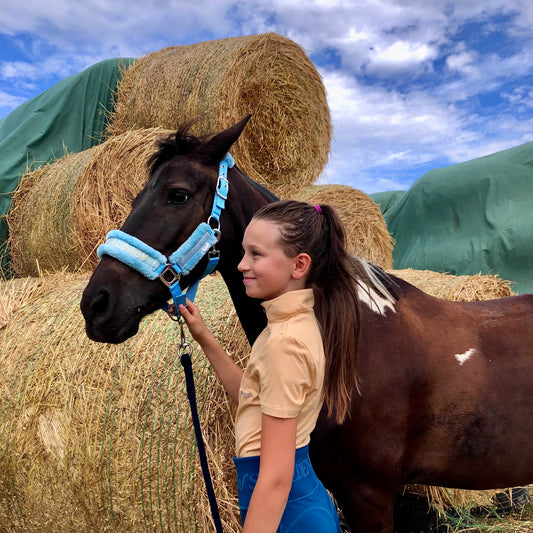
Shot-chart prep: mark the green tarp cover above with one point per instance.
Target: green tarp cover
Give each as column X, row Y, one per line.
column 386, row 200
column 68, row 117
column 469, row 218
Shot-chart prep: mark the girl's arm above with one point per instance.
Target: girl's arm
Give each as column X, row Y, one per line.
column 228, row 372
column 269, row 498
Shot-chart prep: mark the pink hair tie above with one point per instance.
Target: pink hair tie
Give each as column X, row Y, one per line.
column 319, row 210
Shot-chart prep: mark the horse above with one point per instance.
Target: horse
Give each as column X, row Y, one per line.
column 445, row 387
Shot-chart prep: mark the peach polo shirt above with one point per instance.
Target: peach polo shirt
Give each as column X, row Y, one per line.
column 285, row 372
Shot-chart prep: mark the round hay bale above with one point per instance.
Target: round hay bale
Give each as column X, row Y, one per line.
column 457, row 288
column 98, row 437
column 40, row 219
column 62, row 211
column 111, row 180
column 366, row 230
column 285, row 145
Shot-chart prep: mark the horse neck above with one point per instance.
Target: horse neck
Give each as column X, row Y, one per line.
column 244, row 199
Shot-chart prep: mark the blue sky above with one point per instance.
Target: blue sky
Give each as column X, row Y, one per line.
column 412, row 84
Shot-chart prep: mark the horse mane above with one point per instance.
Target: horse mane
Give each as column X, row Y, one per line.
column 376, row 278
column 266, row 193
column 182, row 142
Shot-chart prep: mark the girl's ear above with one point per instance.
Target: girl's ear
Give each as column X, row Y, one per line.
column 302, row 265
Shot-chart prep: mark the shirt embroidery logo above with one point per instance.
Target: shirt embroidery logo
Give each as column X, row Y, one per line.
column 243, row 394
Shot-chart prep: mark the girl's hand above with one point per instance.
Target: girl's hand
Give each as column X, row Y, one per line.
column 228, row 372
column 193, row 318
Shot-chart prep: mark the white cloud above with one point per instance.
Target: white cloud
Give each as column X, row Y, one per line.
column 385, row 113
column 17, row 70
column 464, row 63
column 9, row 101
column 401, row 56
column 379, row 128
column 521, row 97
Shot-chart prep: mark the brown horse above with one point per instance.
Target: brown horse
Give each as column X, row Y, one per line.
column 446, row 387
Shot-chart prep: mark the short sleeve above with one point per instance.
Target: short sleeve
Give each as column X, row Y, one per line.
column 286, row 373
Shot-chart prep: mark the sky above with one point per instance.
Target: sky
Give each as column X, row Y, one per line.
column 411, row 85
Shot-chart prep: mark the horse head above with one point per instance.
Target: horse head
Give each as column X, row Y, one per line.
column 176, row 199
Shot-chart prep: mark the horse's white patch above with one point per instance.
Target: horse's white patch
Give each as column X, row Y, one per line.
column 463, row 357
column 374, row 300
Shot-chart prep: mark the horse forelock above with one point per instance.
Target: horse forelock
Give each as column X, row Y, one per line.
column 182, row 142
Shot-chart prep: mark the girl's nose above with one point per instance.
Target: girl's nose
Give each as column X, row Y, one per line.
column 241, row 267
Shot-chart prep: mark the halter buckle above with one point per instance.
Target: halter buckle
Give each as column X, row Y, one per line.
column 169, row 276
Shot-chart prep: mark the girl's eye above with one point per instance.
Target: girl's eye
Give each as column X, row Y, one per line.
column 178, row 197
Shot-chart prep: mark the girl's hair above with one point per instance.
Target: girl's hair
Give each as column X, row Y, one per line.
column 319, row 232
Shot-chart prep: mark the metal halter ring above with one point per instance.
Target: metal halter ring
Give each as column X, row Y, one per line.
column 169, row 276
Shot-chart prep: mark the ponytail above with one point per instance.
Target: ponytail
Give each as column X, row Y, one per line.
column 334, row 274
column 337, row 309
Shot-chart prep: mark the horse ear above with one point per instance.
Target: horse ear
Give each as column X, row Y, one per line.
column 219, row 145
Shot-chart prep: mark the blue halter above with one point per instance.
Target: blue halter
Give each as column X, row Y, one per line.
column 153, row 264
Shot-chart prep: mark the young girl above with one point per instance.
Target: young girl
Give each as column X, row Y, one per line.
column 295, row 260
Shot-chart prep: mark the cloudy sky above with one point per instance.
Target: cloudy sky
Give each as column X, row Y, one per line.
column 412, row 84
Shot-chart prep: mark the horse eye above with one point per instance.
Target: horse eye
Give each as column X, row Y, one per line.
column 178, row 197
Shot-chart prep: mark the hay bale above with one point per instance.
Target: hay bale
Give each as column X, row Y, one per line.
column 112, row 178
column 366, row 230
column 286, row 144
column 457, row 288
column 445, row 499
column 98, row 437
column 40, row 219
column 62, row 211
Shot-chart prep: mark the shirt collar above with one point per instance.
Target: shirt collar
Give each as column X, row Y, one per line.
column 289, row 303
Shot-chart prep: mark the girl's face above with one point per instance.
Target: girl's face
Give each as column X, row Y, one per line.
column 268, row 272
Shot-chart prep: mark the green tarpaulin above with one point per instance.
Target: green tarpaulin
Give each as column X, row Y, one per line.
column 468, row 218
column 387, row 200
column 69, row 117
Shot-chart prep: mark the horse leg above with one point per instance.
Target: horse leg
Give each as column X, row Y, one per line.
column 366, row 508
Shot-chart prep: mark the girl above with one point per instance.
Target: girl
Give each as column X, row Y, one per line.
column 295, row 260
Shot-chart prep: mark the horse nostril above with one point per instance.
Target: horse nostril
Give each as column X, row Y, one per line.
column 100, row 303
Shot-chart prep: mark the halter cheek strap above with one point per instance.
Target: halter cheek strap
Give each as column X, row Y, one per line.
column 153, row 264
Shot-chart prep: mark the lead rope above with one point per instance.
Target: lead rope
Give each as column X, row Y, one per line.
column 186, row 363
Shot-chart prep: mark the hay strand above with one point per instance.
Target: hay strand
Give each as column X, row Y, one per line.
column 286, row 144
column 366, row 230
column 15, row 293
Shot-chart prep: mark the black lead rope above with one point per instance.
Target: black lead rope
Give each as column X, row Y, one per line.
column 186, row 363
